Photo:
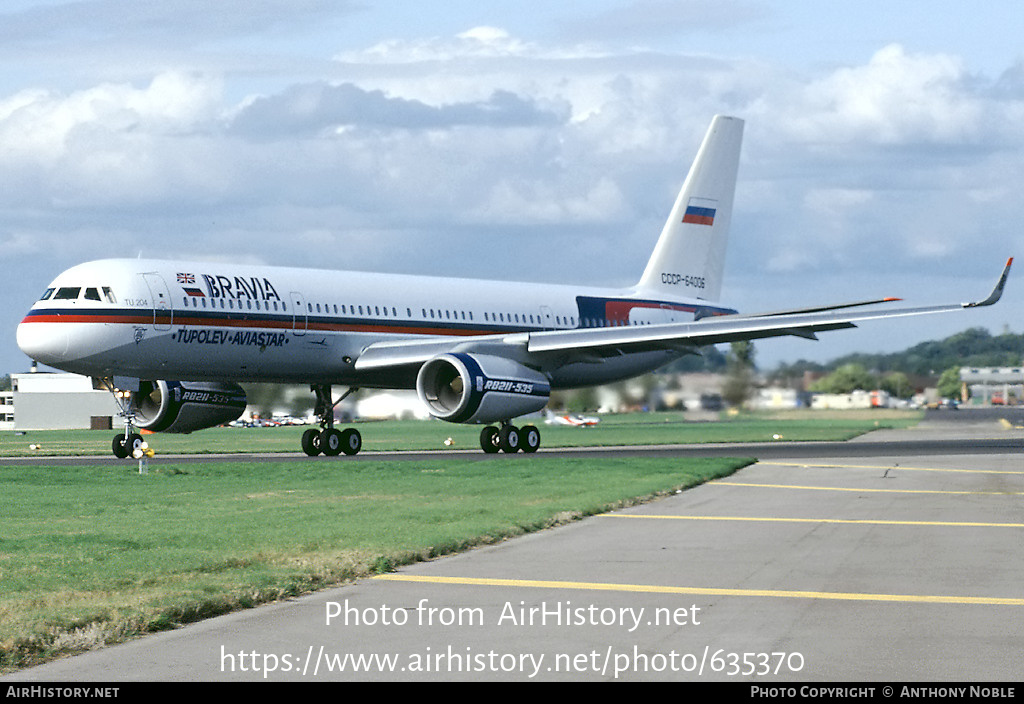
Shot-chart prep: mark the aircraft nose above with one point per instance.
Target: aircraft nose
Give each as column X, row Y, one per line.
column 43, row 342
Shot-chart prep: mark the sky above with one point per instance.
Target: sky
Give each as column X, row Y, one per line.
column 883, row 151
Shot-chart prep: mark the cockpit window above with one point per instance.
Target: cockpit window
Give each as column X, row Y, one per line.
column 46, row 294
column 67, row 293
column 108, row 294
column 92, row 294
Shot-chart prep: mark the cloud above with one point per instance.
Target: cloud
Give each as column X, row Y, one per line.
column 486, row 130
column 321, row 108
column 101, row 144
column 478, row 42
column 181, row 22
column 896, row 98
column 528, row 202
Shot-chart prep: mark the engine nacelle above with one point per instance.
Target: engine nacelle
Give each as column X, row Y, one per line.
column 466, row 388
column 184, row 406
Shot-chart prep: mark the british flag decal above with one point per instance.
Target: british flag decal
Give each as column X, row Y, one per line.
column 190, row 290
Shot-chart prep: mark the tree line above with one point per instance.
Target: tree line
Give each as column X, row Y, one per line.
column 900, row 373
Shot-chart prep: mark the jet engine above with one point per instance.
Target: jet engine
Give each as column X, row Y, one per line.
column 184, row 406
column 467, row 388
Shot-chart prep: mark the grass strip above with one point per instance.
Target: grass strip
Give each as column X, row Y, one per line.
column 91, row 556
column 626, row 429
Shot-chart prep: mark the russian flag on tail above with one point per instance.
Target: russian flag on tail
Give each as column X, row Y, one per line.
column 700, row 211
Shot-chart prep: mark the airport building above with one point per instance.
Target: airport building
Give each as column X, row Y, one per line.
column 6, row 410
column 56, row 401
column 998, row 386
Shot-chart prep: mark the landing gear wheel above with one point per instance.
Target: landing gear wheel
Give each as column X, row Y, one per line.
column 330, row 442
column 135, row 442
column 529, row 438
column 508, row 438
column 311, row 442
column 122, row 448
column 119, row 446
column 489, row 440
column 327, row 440
column 351, row 441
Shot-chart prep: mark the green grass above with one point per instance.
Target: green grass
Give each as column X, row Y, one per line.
column 95, row 555
column 627, row 429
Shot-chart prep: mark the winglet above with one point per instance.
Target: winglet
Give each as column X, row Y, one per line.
column 997, row 292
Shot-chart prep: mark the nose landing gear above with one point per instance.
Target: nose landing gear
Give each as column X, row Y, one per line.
column 128, row 443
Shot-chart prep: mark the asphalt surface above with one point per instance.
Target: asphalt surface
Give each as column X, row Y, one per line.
column 891, row 558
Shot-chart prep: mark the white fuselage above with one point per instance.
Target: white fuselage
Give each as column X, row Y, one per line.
column 223, row 322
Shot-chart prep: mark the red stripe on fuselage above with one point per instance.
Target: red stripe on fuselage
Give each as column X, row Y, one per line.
column 619, row 310
column 84, row 318
column 182, row 320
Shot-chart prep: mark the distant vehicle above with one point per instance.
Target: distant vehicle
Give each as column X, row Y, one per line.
column 711, row 402
column 572, row 419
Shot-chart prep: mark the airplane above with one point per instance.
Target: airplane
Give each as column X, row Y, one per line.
column 572, row 419
column 476, row 351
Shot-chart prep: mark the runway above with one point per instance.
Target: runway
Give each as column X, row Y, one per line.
column 894, row 557
column 989, row 441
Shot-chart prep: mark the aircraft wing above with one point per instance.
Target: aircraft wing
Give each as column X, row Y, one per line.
column 594, row 343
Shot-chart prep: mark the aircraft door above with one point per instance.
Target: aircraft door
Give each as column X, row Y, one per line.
column 648, row 315
column 300, row 316
column 670, row 314
column 547, row 319
column 163, row 314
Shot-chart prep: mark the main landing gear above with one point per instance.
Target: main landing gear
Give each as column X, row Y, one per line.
column 509, row 438
column 328, row 440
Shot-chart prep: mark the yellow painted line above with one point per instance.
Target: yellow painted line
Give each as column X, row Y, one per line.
column 853, row 521
column 879, row 491
column 701, row 591
column 817, row 465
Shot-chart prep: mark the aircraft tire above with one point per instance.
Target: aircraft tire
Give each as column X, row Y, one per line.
column 134, row 441
column 489, row 440
column 119, row 446
column 508, row 438
column 125, row 448
column 330, row 442
column 311, row 442
column 529, row 438
column 351, row 441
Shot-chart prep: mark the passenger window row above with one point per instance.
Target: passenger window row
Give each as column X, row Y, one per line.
column 250, row 304
column 105, row 294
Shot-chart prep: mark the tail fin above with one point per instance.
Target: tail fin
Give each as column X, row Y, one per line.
column 689, row 257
